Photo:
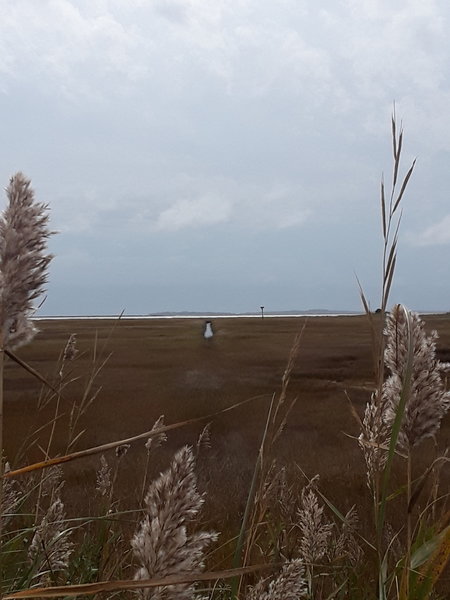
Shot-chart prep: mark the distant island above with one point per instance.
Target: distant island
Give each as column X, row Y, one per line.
column 287, row 313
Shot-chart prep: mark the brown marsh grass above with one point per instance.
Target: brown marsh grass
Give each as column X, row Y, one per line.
column 165, row 367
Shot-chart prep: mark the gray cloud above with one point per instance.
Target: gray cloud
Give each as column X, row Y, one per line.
column 218, row 133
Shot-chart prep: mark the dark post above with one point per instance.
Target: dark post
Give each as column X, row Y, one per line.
column 262, row 312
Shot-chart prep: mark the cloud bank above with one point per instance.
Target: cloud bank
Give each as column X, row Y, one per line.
column 178, row 125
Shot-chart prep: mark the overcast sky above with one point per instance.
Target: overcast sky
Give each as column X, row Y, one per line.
column 226, row 154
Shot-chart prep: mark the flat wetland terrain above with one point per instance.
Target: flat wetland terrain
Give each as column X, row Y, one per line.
column 165, row 367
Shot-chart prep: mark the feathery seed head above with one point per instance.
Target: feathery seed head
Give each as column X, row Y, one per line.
column 428, row 400
column 315, row 530
column 51, row 547
column 162, row 544
column 155, row 441
column 71, row 350
column 23, row 261
column 204, row 439
column 289, row 585
column 104, row 482
column 375, row 434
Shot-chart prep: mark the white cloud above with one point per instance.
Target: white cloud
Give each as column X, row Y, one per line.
column 62, row 46
column 279, row 207
column 335, row 57
column 434, row 235
column 197, row 212
column 246, row 207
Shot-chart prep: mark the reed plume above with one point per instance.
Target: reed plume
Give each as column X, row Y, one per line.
column 375, row 433
column 50, row 548
column 23, row 261
column 155, row 441
column 428, row 401
column 289, row 585
column 162, row 544
column 204, row 439
column 314, row 529
column 104, row 482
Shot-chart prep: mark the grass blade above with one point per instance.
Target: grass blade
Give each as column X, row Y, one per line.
column 32, row 371
column 404, row 184
column 383, row 209
column 397, row 162
column 394, row 134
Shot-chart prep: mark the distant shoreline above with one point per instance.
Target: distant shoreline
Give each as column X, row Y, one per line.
column 206, row 315
column 195, row 316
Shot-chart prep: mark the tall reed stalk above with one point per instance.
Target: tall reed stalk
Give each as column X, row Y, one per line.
column 375, row 434
column 409, row 400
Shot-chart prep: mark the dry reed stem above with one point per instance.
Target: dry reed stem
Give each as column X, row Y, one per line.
column 112, row 445
column 89, row 589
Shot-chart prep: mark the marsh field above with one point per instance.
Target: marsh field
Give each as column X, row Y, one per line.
column 165, row 367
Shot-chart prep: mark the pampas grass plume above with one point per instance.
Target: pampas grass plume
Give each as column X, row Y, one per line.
column 23, row 261
column 162, row 544
column 428, row 400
